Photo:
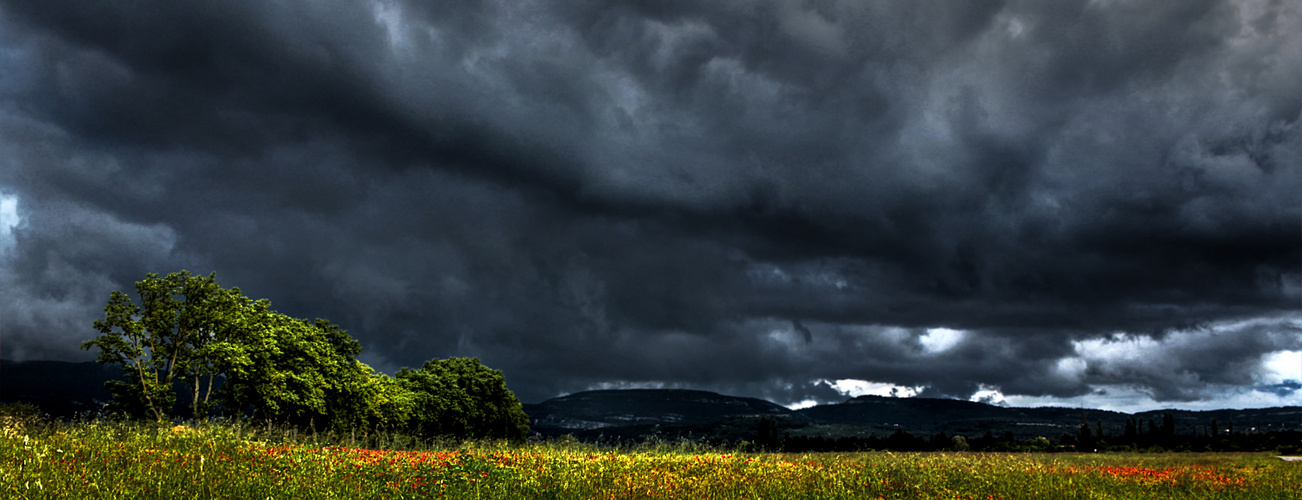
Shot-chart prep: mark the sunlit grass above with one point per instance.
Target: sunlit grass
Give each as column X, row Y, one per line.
column 125, row 460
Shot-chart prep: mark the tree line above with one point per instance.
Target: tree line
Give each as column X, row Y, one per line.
column 191, row 348
column 1090, row 438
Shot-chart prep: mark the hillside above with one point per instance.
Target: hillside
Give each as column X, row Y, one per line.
column 665, row 413
column 60, row 388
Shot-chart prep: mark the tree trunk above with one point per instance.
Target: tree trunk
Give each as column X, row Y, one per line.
column 144, row 391
column 208, row 393
column 194, row 399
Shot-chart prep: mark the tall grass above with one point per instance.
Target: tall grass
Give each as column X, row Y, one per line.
column 106, row 459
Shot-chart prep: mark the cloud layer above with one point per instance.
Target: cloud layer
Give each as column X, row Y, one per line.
column 1043, row 199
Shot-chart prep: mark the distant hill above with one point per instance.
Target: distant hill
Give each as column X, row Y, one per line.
column 877, row 414
column 666, row 413
column 597, row 409
column 60, row 388
column 928, row 416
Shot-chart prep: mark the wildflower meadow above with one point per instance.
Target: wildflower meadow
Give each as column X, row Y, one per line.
column 116, row 460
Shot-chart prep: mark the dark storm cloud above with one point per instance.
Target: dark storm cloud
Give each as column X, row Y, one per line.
column 746, row 196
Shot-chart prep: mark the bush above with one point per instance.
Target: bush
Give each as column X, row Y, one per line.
column 19, row 412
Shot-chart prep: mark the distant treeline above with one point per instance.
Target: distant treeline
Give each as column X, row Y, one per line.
column 1090, row 438
column 1285, row 442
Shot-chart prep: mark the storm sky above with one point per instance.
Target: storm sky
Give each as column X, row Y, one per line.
column 1081, row 203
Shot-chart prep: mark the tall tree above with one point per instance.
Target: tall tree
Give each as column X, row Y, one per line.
column 190, row 331
column 1084, row 437
column 159, row 342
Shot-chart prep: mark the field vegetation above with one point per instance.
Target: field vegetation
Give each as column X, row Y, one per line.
column 124, row 459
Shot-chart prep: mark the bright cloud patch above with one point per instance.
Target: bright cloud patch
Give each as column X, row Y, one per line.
column 1120, row 348
column 1071, row 368
column 989, row 395
column 939, row 340
column 800, row 405
column 855, row 388
column 1242, row 363
column 1282, row 366
column 8, row 220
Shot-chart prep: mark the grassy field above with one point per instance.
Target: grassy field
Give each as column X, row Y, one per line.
column 120, row 460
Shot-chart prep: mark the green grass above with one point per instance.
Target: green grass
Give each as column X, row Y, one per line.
column 131, row 460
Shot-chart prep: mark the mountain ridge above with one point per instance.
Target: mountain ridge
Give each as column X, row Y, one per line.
column 632, row 414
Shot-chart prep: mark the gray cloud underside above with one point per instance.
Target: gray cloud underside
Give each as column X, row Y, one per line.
column 744, row 196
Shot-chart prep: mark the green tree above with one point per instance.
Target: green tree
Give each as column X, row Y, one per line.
column 160, row 342
column 373, row 401
column 1084, row 437
column 289, row 370
column 1067, row 439
column 958, row 443
column 766, row 435
column 189, row 331
column 461, row 397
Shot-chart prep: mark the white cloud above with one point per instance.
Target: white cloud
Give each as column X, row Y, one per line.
column 1120, row 348
column 938, row 340
column 1281, row 366
column 9, row 219
column 1071, row 368
column 989, row 395
column 855, row 388
column 800, row 405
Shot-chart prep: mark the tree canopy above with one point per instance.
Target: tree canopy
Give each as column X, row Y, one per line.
column 190, row 332
column 164, row 340
column 462, row 397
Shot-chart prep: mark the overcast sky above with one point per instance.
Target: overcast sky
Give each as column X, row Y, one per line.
column 1083, row 203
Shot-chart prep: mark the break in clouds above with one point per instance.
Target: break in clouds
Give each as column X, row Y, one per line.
column 1065, row 202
